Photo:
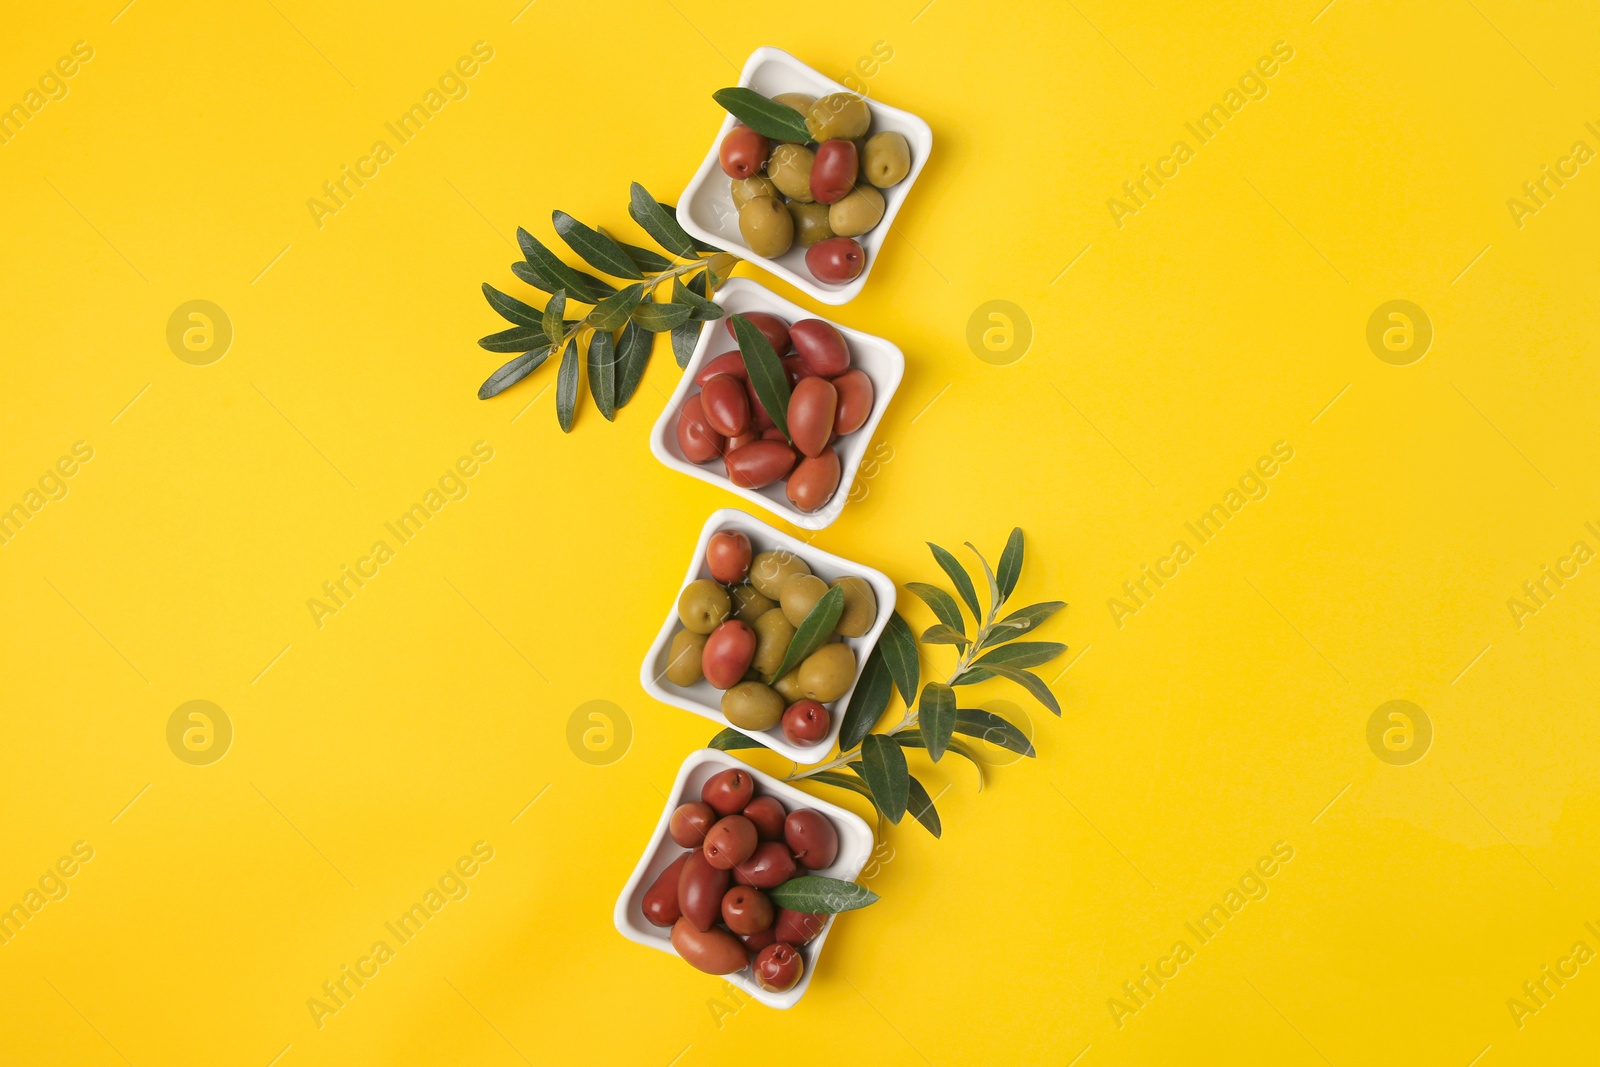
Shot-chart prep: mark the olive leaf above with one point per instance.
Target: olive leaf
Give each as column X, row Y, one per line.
column 524, row 270
column 547, row 264
column 1010, row 564
column 659, row 223
column 634, row 348
column 1028, row 680
column 643, row 258
column 841, row 781
column 597, row 250
column 516, row 339
column 729, row 739
column 513, row 372
column 659, row 318
column 915, row 741
column 883, row 768
column 936, row 717
column 1021, row 622
column 920, row 805
column 555, row 326
column 512, row 309
column 959, row 577
column 603, row 373
column 943, row 605
column 816, row 894
column 900, row 653
column 701, row 309
column 767, row 376
column 941, row 634
column 1021, row 654
column 686, row 335
column 987, row 726
column 567, row 386
column 614, row 310
column 868, row 702
column 767, row 117
column 813, row 631
column 994, row 586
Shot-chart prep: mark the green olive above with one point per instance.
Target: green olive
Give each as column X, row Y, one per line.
column 810, row 223
column 828, row 673
column 766, row 226
column 801, row 102
column 752, row 706
column 859, row 211
column 748, row 604
column 799, row 595
column 744, row 189
column 703, row 606
column 789, row 167
column 860, row 607
column 789, row 687
column 683, row 658
column 838, row 115
column 773, row 634
column 770, row 569
column 887, row 159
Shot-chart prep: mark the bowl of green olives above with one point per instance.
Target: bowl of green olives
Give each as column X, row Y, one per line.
column 748, row 593
column 727, row 835
column 841, row 380
column 815, row 213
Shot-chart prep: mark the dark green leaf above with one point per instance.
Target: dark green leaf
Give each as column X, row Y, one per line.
column 567, row 386
column 597, row 250
column 958, row 575
column 659, row 318
column 1021, row 622
column 818, row 895
column 614, row 310
column 634, row 348
column 767, row 376
column 512, row 309
column 547, row 264
column 524, row 270
column 728, row 740
column 700, row 246
column 1029, row 681
column 813, row 631
column 987, row 726
column 659, row 223
column 644, row 258
column 516, row 339
column 841, row 781
column 701, row 308
column 994, row 586
column 868, row 702
column 942, row 603
column 1010, row 563
column 603, row 373
column 513, row 372
column 936, row 717
column 915, row 741
column 920, row 805
column 883, row 767
column 941, row 634
column 900, row 654
column 685, row 336
column 555, row 327
column 767, row 117
column 1022, row 654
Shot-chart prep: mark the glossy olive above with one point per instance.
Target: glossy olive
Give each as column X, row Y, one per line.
column 789, row 167
column 789, row 688
column 766, row 227
column 794, row 369
column 813, row 405
column 729, row 363
column 759, row 940
column 742, row 189
column 700, row 889
column 821, row 347
column 703, row 605
column 828, row 673
column 770, row 569
column 696, row 440
column 855, row 400
column 727, row 654
column 729, row 842
column 728, row 554
column 833, row 172
column 746, row 910
column 759, row 464
column 799, row 595
column 797, row 927
column 689, row 823
column 728, row 791
column 771, row 864
column 777, row 967
column 660, row 903
column 860, row 607
column 836, row 260
column 726, row 406
column 805, row 722
column 742, row 152
column 886, row 159
column 683, row 658
column 813, row 481
column 810, row 223
column 774, row 329
column 801, row 102
column 812, row 838
column 768, row 814
column 838, row 115
column 712, row 951
column 857, row 212
column 752, row 706
column 774, row 631
column 749, row 605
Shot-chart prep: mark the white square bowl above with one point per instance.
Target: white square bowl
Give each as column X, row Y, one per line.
column 881, row 360
column 855, row 847
column 706, row 207
column 703, row 698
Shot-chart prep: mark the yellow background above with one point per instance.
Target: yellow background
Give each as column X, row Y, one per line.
column 1227, row 714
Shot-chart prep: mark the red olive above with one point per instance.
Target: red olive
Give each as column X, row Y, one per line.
column 795, row 368
column 821, row 347
column 712, row 951
column 812, row 837
column 814, row 480
column 834, row 170
column 759, row 419
column 700, row 890
column 728, row 556
column 772, row 433
column 771, row 864
column 690, row 822
column 855, row 400
column 696, row 439
column 768, row 815
column 743, row 152
column 744, row 439
column 778, row 966
column 728, row 791
column 746, row 910
column 835, row 260
column 726, row 407
column 727, row 653
column 760, row 464
column 759, row 940
column 812, row 405
column 730, row 842
column 773, row 328
column 805, row 722
column 798, row 927
column 661, row 899
column 731, row 363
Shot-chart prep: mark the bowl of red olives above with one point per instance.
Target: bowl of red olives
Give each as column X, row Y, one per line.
column 815, row 206
column 840, row 380
column 728, row 839
column 734, row 647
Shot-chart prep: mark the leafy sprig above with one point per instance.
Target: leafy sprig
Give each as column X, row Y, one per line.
column 614, row 339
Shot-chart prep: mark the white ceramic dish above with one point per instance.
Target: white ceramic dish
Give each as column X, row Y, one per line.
column 855, row 847
column 881, row 360
column 706, row 207
column 704, row 699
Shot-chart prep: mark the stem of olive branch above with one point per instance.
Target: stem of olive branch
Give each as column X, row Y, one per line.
column 650, row 285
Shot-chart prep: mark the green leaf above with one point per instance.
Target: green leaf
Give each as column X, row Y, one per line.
column 686, row 336
column 659, row 318
column 767, row 117
column 567, row 386
column 956, row 745
column 868, row 702
column 643, row 258
column 659, row 223
column 1021, row 654
column 941, row 634
column 819, row 895
column 524, row 270
column 936, row 717
column 634, row 349
column 513, row 372
column 547, row 264
column 987, row 726
column 614, row 310
column 883, row 767
column 555, row 327
column 942, row 603
column 729, row 739
column 516, row 339
column 813, row 631
column 700, row 246
column 900, row 653
column 603, row 373
column 841, row 781
column 958, row 575
column 994, row 586
column 1029, row 681
column 701, row 308
column 767, row 376
column 597, row 250
column 1010, row 563
column 920, row 805
column 1021, row 622
column 512, row 309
